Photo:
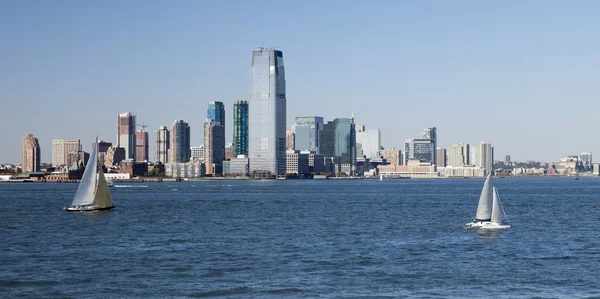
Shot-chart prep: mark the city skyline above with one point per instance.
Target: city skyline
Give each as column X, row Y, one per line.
column 456, row 68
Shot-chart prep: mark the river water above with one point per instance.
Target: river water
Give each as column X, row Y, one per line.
column 302, row 238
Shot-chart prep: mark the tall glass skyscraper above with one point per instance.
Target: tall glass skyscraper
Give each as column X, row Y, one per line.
column 338, row 139
column 267, row 119
column 216, row 112
column 240, row 128
column 306, row 132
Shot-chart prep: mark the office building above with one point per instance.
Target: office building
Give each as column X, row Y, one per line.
column 185, row 170
column 61, row 149
column 370, row 143
column 179, row 151
column 240, row 128
column 239, row 165
column 141, row 144
column 338, row 139
column 482, row 156
column 458, row 155
column 441, row 157
column 102, row 149
column 229, row 151
column 162, row 142
column 418, row 149
column 214, row 147
column 431, row 133
column 216, row 112
column 392, row 155
column 507, row 160
column 126, row 134
column 586, row 161
column 290, row 140
column 316, row 162
column 197, row 153
column 30, row 154
column 306, row 133
column 297, row 162
column 267, row 112
column 113, row 156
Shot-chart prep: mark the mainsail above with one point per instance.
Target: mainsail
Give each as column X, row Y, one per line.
column 484, row 208
column 496, row 208
column 87, row 187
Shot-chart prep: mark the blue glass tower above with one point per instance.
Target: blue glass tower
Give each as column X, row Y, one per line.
column 216, row 112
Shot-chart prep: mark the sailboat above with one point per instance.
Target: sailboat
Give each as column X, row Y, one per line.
column 381, row 177
column 576, row 174
column 92, row 193
column 489, row 210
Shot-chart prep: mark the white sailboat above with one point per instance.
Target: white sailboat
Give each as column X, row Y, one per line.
column 381, row 177
column 92, row 193
column 489, row 210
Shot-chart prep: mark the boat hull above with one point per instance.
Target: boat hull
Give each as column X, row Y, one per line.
column 87, row 209
column 486, row 225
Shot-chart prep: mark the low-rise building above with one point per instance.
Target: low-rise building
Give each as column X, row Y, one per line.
column 461, row 171
column 412, row 169
column 239, row 165
column 297, row 162
column 185, row 170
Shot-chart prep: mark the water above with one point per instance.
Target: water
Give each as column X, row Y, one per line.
column 282, row 239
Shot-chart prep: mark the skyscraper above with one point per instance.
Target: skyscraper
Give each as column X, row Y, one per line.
column 290, row 140
column 338, row 139
column 267, row 107
column 441, row 157
column 418, row 149
column 482, row 156
column 162, row 141
column 392, row 155
column 240, row 128
column 126, row 134
column 370, row 142
column 179, row 151
column 30, row 154
column 61, row 149
column 214, row 147
column 306, row 129
column 141, row 144
column 431, row 133
column 216, row 112
column 458, row 155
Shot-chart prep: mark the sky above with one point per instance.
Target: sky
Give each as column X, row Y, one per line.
column 521, row 75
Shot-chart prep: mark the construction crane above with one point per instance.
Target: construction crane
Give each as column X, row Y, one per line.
column 143, row 125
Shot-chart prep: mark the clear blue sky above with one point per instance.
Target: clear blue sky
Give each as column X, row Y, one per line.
column 522, row 75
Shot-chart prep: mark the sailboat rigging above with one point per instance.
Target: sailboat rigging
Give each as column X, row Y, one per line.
column 490, row 212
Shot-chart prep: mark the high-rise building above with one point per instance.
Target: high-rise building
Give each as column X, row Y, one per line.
column 179, row 151
column 441, row 157
column 370, row 142
column 431, row 133
column 458, row 155
column 103, row 147
column 507, row 160
column 214, row 147
column 267, row 112
column 290, row 140
column 162, row 142
column 229, row 151
column 61, row 149
column 482, row 156
column 216, row 112
column 197, row 153
column 113, row 156
column 141, row 144
column 419, row 149
column 338, row 139
column 240, row 128
column 306, row 133
column 126, row 134
column 392, row 155
column 360, row 128
column 30, row 154
column 586, row 161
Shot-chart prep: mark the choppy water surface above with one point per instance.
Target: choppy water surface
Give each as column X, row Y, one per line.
column 359, row 238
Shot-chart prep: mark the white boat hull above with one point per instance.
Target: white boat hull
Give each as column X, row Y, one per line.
column 486, row 225
column 86, row 208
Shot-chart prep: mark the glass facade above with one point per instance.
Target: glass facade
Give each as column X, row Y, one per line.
column 180, row 142
column 338, row 139
column 307, row 132
column 267, row 112
column 240, row 128
column 419, row 149
column 216, row 112
column 370, row 142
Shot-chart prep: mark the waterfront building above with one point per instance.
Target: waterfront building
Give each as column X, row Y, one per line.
column 216, row 112
column 267, row 112
column 461, row 171
column 61, row 149
column 239, row 165
column 596, row 170
column 338, row 140
column 586, row 161
column 197, row 153
column 370, row 143
column 240, row 128
column 185, row 170
column 482, row 156
column 458, row 155
column 102, row 148
column 30, row 154
column 214, row 147
column 162, row 141
column 507, row 160
column 297, row 162
column 79, row 158
column 179, row 151
column 419, row 149
column 126, row 134
column 412, row 169
column 316, row 162
column 141, row 144
column 133, row 168
column 431, row 133
column 113, row 156
column 306, row 133
column 392, row 155
column 441, row 157
column 290, row 140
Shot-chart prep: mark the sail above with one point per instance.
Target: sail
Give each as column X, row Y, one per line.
column 484, row 208
column 496, row 208
column 102, row 198
column 87, row 187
